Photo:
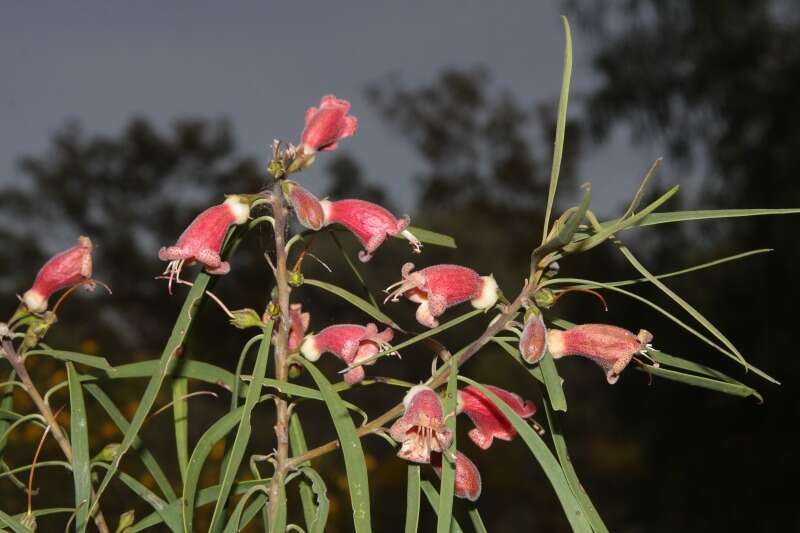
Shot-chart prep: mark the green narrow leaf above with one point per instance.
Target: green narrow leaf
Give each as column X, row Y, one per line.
column 13, row 523
column 214, row 434
column 447, row 486
column 534, row 371
column 356, row 301
column 431, row 237
column 121, row 422
column 561, row 125
column 553, row 382
column 6, row 404
column 354, row 269
column 235, row 393
column 357, row 480
column 412, row 499
column 684, row 364
column 204, row 497
column 680, row 272
column 171, row 519
column 180, row 418
column 189, row 369
column 238, row 519
column 165, row 364
column 297, row 442
column 604, row 232
column 93, row 361
column 589, row 510
column 706, row 214
column 432, row 495
column 245, row 428
column 79, row 437
column 477, row 521
column 318, row 488
column 694, row 313
column 735, row 389
column 544, row 456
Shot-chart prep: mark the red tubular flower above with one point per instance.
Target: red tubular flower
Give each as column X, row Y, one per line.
column 369, row 222
column 533, row 341
column 70, row 267
column 490, row 422
column 202, row 240
column 468, row 478
column 421, row 429
column 349, row 342
column 327, row 124
column 609, row 346
column 306, row 206
column 441, row 286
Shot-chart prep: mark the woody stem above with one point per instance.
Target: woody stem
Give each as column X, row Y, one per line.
column 279, row 213
column 18, row 364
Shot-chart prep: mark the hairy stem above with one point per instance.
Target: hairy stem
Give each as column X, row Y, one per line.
column 18, row 364
column 281, row 348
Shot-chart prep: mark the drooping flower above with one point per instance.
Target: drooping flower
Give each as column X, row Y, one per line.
column 349, row 342
column 369, row 222
column 327, row 124
column 490, row 422
column 421, row 430
column 468, row 478
column 298, row 325
column 66, row 269
column 610, row 347
column 306, row 206
column 533, row 341
column 202, row 240
column 438, row 287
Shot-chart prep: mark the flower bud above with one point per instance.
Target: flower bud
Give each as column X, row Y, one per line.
column 490, row 422
column 246, row 318
column 533, row 341
column 126, row 520
column 468, row 478
column 351, row 343
column 306, row 206
column 610, row 347
column 67, row 269
column 108, row 453
column 369, row 222
column 327, row 124
column 421, row 429
column 441, row 286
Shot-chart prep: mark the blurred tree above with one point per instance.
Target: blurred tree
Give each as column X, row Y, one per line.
column 716, row 82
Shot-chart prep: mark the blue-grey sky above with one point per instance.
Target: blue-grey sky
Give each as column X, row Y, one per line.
column 262, row 63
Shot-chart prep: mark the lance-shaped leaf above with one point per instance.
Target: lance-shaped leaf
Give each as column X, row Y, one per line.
column 79, row 437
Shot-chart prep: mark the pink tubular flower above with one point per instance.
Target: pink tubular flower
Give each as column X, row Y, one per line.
column 327, row 124
column 533, row 341
column 369, row 222
column 468, row 478
column 306, row 206
column 609, row 346
column 298, row 326
column 441, row 286
column 70, row 267
column 202, row 240
column 490, row 422
column 421, row 429
column 349, row 342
